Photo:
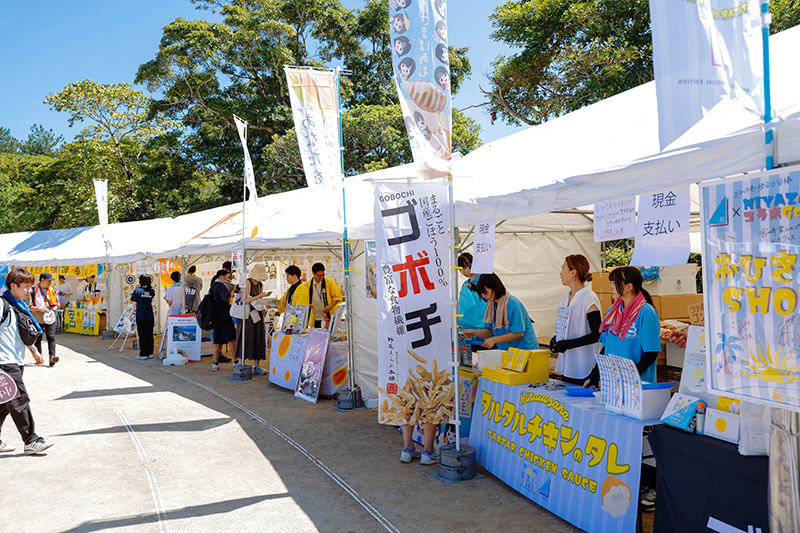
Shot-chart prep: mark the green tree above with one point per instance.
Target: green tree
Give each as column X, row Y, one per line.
column 8, row 144
column 572, row 53
column 41, row 142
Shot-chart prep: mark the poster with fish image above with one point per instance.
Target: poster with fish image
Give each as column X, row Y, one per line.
column 421, row 63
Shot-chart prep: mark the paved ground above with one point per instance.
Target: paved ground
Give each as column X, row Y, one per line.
column 142, row 447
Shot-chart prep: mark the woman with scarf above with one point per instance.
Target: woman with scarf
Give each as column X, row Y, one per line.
column 631, row 326
column 577, row 323
column 506, row 322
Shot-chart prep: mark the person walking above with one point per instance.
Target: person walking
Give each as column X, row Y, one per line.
column 43, row 303
column 12, row 360
column 142, row 299
column 255, row 334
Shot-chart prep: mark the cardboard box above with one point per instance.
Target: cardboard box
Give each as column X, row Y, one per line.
column 675, row 279
column 601, row 283
column 677, row 306
column 675, row 355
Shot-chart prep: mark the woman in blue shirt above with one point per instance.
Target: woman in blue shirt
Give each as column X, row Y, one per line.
column 470, row 306
column 631, row 326
column 506, row 322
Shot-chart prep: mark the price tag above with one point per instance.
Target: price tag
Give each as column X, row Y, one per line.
column 696, row 314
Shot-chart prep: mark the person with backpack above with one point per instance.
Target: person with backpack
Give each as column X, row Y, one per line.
column 142, row 299
column 19, row 330
column 43, row 303
column 224, row 330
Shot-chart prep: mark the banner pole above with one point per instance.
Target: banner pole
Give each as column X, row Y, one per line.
column 345, row 247
column 454, row 308
column 766, row 19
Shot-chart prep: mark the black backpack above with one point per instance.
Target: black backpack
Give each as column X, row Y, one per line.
column 207, row 317
column 29, row 331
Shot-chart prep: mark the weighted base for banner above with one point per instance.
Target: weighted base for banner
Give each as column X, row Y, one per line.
column 457, row 465
column 349, row 399
column 242, row 373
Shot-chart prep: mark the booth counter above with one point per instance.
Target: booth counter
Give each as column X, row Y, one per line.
column 84, row 321
column 565, row 453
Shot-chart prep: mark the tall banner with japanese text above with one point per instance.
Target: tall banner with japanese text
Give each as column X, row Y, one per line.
column 662, row 228
column 566, row 454
column 414, row 347
column 704, row 51
column 315, row 106
column 751, row 279
column 421, row 63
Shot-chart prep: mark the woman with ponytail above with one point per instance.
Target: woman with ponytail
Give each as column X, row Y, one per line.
column 577, row 323
column 631, row 326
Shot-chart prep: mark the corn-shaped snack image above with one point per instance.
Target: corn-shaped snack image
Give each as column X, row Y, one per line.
column 426, row 95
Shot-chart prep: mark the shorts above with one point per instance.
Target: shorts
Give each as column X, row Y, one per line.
column 225, row 332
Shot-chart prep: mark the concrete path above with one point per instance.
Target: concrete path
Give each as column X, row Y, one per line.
column 140, row 447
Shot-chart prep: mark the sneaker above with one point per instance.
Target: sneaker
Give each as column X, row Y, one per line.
column 429, row 458
column 6, row 447
column 143, row 357
column 647, row 498
column 215, row 367
column 37, row 446
column 408, row 454
column 223, row 359
column 53, row 360
column 258, row 371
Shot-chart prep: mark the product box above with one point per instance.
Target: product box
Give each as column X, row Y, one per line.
column 600, row 283
column 509, row 377
column 675, row 279
column 721, row 425
column 675, row 355
column 677, row 306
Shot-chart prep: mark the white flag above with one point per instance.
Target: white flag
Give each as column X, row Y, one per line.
column 704, row 52
column 249, row 176
column 101, row 196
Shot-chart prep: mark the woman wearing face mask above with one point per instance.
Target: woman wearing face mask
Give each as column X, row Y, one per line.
column 470, row 306
column 631, row 326
column 506, row 322
column 577, row 324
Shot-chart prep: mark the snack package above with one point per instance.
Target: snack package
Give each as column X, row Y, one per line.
column 681, row 412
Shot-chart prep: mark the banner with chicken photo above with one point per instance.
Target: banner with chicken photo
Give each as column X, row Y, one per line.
column 421, row 63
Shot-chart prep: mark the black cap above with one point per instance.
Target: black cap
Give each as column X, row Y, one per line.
column 46, row 275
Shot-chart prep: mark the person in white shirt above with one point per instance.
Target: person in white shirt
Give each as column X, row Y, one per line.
column 174, row 294
column 12, row 360
column 577, row 323
column 64, row 291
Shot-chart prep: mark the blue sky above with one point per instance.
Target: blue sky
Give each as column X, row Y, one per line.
column 48, row 44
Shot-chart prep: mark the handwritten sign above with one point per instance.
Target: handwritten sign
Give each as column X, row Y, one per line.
column 662, row 229
column 615, row 220
column 483, row 248
column 696, row 314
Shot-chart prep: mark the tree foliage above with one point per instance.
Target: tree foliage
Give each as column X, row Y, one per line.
column 572, row 53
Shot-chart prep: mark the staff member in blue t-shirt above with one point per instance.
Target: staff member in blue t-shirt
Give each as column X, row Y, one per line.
column 506, row 322
column 631, row 326
column 142, row 299
column 470, row 306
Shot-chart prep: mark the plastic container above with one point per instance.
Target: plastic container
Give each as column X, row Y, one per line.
column 484, row 358
column 655, row 397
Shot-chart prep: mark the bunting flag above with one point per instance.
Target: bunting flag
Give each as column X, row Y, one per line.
column 703, row 53
column 315, row 106
column 421, row 63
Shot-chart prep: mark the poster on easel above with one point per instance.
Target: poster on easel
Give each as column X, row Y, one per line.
column 295, row 318
column 127, row 322
column 313, row 365
column 184, row 335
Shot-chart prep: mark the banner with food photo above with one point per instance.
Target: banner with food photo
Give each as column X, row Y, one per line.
column 415, row 381
column 420, row 58
column 751, row 279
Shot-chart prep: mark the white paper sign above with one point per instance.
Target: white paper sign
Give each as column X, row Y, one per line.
column 662, row 229
column 184, row 334
column 615, row 220
column 483, row 248
column 696, row 340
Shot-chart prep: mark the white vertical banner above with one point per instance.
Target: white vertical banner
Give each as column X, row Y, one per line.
column 414, row 307
column 314, row 96
column 615, row 220
column 101, row 196
column 701, row 56
column 483, row 248
column 662, row 229
column 249, row 176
